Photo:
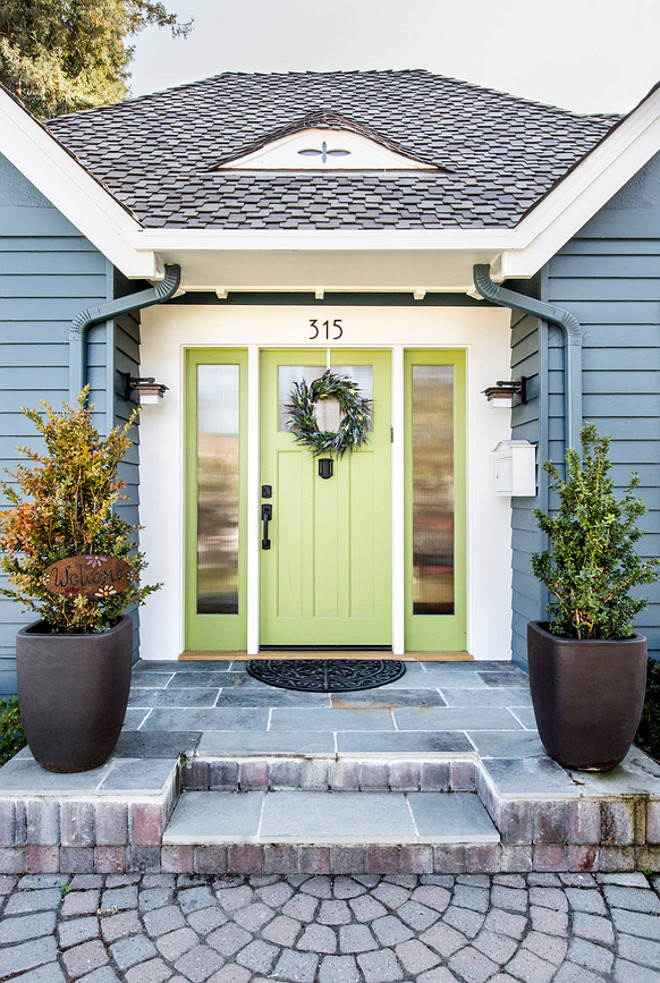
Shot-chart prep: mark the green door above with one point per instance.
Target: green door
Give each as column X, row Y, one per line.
column 327, row 578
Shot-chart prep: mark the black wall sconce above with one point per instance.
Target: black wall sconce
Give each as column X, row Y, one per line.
column 143, row 389
column 507, row 394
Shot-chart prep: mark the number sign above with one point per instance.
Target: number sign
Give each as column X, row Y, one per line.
column 327, row 331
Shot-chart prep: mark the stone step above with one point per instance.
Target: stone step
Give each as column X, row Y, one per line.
column 324, row 819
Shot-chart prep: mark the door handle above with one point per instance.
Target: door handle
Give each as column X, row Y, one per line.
column 266, row 516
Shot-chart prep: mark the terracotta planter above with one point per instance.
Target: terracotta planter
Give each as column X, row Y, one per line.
column 587, row 695
column 72, row 693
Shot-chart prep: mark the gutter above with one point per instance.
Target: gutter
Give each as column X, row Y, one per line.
column 83, row 321
column 571, row 330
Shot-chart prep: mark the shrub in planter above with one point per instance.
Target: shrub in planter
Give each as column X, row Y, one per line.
column 648, row 732
column 12, row 738
column 74, row 664
column 587, row 664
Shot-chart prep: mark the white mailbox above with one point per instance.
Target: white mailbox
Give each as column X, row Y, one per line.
column 515, row 468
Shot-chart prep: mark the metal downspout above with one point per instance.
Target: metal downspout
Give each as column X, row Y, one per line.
column 83, row 321
column 571, row 329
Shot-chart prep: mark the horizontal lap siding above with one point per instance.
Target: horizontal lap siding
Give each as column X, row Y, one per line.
column 527, row 359
column 608, row 276
column 127, row 362
column 48, row 273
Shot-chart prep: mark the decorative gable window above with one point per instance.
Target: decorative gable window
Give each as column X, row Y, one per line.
column 326, row 142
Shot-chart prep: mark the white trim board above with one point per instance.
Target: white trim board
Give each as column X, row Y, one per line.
column 167, row 332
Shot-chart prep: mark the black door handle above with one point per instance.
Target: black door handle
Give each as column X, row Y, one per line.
column 266, row 516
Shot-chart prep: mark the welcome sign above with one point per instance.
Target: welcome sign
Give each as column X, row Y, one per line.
column 89, row 576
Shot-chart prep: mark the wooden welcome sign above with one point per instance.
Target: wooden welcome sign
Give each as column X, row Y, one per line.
column 89, row 576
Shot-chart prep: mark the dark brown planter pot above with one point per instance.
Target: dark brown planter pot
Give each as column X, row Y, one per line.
column 72, row 693
column 588, row 696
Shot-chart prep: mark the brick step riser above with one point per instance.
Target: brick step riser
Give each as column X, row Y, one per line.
column 289, row 859
column 325, row 774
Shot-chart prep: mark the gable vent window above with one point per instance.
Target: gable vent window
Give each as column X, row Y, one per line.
column 324, row 153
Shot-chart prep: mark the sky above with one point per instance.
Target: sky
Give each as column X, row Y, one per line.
column 591, row 56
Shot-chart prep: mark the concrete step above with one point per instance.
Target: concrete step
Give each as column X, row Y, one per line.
column 324, row 819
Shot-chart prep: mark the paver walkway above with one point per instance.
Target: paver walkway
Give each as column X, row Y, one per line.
column 316, row 929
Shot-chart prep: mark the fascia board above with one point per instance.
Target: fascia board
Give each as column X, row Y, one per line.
column 66, row 184
column 583, row 192
column 323, row 240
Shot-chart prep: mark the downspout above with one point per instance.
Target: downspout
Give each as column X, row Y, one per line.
column 83, row 321
column 572, row 332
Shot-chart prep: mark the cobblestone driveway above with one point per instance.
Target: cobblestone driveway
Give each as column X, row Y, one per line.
column 360, row 929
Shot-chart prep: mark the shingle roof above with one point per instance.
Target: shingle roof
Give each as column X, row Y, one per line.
column 502, row 153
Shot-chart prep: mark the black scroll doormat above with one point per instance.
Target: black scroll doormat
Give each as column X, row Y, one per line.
column 326, row 675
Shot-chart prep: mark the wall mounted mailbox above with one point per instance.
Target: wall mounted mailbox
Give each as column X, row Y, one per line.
column 515, row 468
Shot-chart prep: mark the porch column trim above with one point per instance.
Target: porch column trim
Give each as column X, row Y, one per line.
column 253, row 499
column 398, row 504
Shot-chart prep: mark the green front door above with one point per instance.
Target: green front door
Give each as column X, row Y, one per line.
column 327, row 578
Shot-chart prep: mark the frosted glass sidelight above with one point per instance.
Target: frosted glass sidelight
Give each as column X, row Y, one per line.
column 217, row 489
column 328, row 417
column 433, row 488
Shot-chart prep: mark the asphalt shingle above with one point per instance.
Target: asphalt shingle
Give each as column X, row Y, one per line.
column 498, row 154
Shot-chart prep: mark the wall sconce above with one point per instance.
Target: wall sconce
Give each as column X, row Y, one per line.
column 507, row 394
column 144, row 389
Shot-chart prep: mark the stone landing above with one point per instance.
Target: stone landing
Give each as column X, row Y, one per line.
column 439, row 773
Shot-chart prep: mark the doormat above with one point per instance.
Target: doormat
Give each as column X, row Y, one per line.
column 326, row 675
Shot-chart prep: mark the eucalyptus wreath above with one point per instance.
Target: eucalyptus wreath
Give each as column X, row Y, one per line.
column 357, row 419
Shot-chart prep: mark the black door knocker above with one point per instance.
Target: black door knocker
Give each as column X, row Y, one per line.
column 325, row 467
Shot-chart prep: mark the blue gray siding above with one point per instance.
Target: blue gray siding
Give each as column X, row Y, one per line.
column 608, row 276
column 48, row 272
column 528, row 358
column 126, row 362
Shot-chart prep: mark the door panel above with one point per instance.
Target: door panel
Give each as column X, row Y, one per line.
column 326, row 580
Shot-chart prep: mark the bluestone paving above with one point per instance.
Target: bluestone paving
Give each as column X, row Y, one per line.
column 456, row 718
column 144, row 774
column 203, row 817
column 195, row 718
column 229, row 743
column 156, row 744
column 326, row 818
column 457, row 817
column 324, row 720
column 383, row 697
column 408, row 742
column 191, row 696
column 492, row 697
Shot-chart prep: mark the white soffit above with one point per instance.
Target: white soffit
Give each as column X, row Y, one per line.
column 325, row 149
column 86, row 203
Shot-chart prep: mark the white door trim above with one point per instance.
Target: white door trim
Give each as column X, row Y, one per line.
column 253, row 500
column 398, row 504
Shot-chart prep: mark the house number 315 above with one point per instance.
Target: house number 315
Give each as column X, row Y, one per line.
column 328, row 331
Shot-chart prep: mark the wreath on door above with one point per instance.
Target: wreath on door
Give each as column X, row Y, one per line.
column 357, row 419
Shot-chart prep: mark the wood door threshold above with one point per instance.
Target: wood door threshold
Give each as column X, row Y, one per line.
column 192, row 655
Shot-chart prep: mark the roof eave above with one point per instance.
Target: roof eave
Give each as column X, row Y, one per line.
column 72, row 189
column 581, row 193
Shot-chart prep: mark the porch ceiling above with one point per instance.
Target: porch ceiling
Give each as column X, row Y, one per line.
column 326, row 267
